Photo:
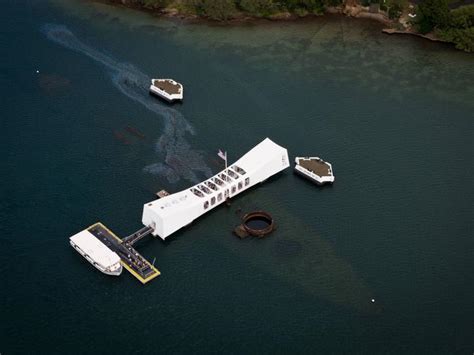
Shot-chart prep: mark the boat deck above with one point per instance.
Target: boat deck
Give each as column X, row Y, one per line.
column 168, row 86
column 318, row 167
column 131, row 260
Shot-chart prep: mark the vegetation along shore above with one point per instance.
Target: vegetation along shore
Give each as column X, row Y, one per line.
column 440, row 20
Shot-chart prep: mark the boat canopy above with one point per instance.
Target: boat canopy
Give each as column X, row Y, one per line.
column 96, row 250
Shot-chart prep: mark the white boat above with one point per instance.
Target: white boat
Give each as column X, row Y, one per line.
column 167, row 89
column 170, row 213
column 314, row 169
column 96, row 252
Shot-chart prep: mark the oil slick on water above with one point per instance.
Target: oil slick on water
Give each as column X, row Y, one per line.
column 180, row 159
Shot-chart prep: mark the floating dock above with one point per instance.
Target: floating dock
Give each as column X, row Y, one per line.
column 130, row 259
column 167, row 89
column 314, row 169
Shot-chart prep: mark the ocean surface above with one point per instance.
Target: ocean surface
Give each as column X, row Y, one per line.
column 393, row 114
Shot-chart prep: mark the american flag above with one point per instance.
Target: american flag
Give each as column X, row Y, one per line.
column 222, row 155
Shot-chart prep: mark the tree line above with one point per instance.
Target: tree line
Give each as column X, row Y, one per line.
column 455, row 26
column 226, row 9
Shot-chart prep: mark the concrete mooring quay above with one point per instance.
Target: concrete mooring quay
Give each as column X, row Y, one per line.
column 131, row 260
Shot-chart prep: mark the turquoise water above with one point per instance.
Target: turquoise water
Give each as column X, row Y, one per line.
column 393, row 115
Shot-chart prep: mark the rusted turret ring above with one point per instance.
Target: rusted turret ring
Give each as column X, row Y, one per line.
column 258, row 215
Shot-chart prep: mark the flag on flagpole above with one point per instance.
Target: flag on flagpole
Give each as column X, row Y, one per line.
column 222, row 155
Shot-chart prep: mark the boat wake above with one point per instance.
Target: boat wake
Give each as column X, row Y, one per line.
column 179, row 159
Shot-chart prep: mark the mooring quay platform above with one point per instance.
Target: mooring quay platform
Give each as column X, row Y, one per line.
column 131, row 260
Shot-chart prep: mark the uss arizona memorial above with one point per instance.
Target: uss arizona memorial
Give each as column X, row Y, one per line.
column 162, row 217
column 167, row 215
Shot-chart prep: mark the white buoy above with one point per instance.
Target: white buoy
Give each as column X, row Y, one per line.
column 37, row 71
column 373, row 300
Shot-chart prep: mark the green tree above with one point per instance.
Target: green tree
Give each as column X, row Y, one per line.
column 308, row 5
column 258, row 7
column 156, row 4
column 303, row 7
column 214, row 9
column 396, row 7
column 461, row 28
column 218, row 9
column 332, row 2
column 462, row 17
column 433, row 14
column 462, row 38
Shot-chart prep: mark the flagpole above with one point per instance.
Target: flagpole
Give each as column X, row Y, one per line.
column 226, row 163
column 222, row 155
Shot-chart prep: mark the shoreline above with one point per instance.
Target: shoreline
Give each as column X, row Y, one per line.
column 430, row 37
column 240, row 18
column 244, row 18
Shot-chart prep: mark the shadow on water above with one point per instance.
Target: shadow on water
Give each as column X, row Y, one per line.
column 180, row 160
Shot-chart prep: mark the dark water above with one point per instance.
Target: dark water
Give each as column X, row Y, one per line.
column 257, row 223
column 393, row 114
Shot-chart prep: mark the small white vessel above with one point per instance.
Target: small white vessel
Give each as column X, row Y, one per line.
column 96, row 252
column 314, row 169
column 167, row 89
